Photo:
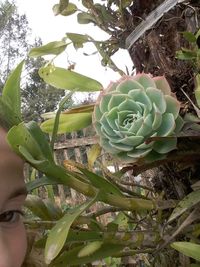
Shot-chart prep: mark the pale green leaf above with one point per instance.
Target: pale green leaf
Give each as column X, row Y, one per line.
column 68, row 123
column 101, row 183
column 69, row 10
column 52, row 48
column 188, row 202
column 71, row 256
column 59, row 232
column 90, row 248
column 68, row 80
column 78, row 39
column 37, row 206
column 189, row 249
column 93, row 154
column 11, row 89
column 85, row 18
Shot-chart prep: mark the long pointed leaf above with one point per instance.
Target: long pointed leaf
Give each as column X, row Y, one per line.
column 11, row 89
column 189, row 249
column 52, row 48
column 188, row 202
column 59, row 232
column 68, row 80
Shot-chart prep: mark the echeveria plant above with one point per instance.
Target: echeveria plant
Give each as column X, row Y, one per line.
column 131, row 111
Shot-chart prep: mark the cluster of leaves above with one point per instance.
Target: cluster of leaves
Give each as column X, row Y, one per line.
column 193, row 54
column 77, row 237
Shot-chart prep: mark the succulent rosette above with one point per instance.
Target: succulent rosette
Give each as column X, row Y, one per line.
column 132, row 111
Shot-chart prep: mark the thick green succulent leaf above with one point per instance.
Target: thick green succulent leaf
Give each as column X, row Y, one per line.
column 52, row 48
column 166, row 145
column 127, row 85
column 157, row 118
column 167, row 126
column 104, row 103
column 58, row 234
column 138, row 153
column 179, row 124
column 132, row 140
column 188, row 248
column 140, row 96
column 116, row 99
column 11, row 90
column 120, row 146
column 68, row 123
column 145, row 80
column 108, row 147
column 173, row 105
column 157, row 97
column 106, row 125
column 68, row 79
column 130, row 105
column 162, row 84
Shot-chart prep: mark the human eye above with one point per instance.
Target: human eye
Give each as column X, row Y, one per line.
column 11, row 216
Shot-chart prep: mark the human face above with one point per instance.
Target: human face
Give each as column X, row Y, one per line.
column 12, row 197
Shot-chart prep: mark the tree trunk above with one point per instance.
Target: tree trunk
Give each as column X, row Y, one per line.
column 155, row 53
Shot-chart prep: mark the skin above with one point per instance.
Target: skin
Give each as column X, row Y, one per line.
column 12, row 196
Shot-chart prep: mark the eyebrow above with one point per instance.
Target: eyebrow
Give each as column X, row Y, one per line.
column 18, row 192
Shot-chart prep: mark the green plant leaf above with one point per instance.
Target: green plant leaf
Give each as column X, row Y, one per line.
column 68, row 123
column 31, row 137
column 93, row 154
column 37, row 206
column 80, row 109
column 8, row 118
column 11, row 89
column 85, row 18
column 71, row 256
column 189, row 249
column 68, row 80
column 189, row 36
column 90, row 248
column 52, row 48
column 78, row 39
column 188, row 202
column 101, row 183
column 186, row 55
column 69, row 10
column 40, row 182
column 59, row 232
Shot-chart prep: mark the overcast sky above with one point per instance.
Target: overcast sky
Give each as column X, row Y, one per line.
column 52, row 28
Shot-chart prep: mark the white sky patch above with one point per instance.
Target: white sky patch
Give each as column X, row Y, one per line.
column 53, row 28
